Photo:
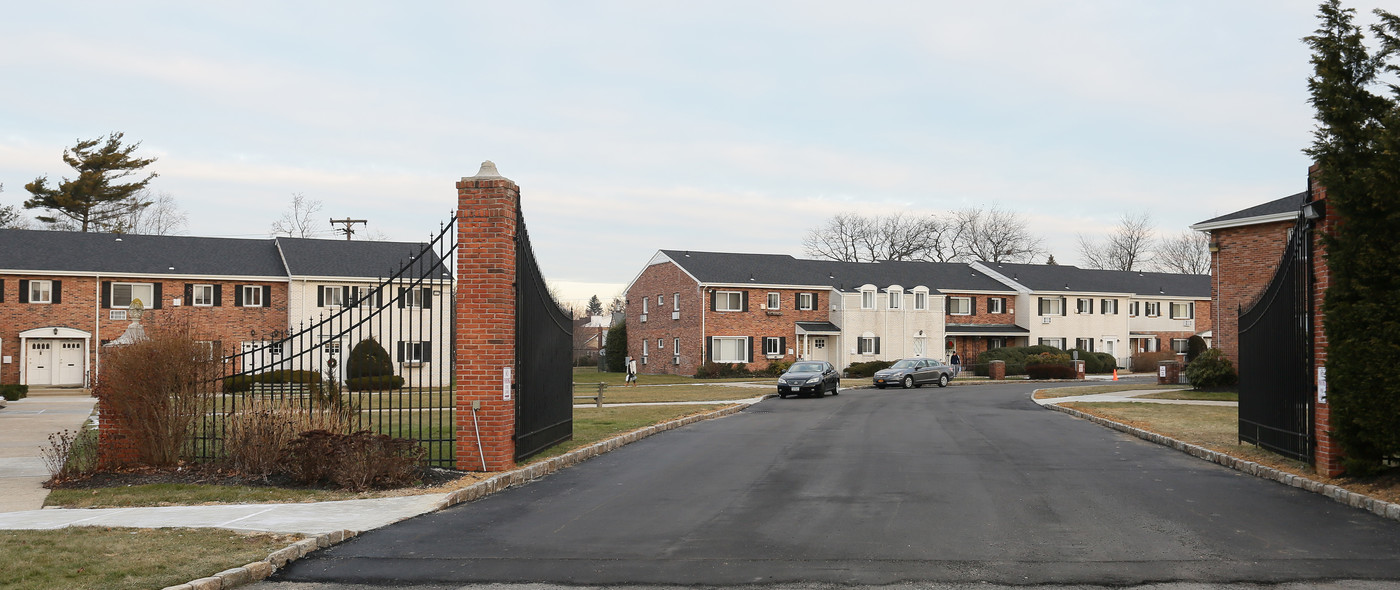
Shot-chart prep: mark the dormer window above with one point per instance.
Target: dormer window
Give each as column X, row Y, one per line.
column 896, row 298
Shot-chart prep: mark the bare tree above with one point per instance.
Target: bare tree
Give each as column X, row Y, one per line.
column 995, row 235
column 1187, row 253
column 11, row 217
column 300, row 221
column 1129, row 247
column 852, row 237
column 163, row 217
column 617, row 305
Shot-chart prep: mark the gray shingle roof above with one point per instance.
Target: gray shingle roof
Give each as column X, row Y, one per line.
column 1044, row 277
column 346, row 258
column 60, row 251
column 781, row 269
column 1288, row 204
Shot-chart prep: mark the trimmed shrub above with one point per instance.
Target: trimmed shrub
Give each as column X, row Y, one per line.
column 14, row 392
column 1211, row 370
column 241, row 383
column 368, row 359
column 867, row 369
column 713, row 370
column 376, row 383
column 1049, row 365
column 1194, row 347
column 774, row 369
column 616, row 348
column 1146, row 362
column 358, row 461
column 1092, row 363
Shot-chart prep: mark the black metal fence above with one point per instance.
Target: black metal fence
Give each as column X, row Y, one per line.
column 1276, row 356
column 377, row 354
column 544, row 355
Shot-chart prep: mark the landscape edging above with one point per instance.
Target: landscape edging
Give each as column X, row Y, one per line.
column 1339, row 494
column 259, row 570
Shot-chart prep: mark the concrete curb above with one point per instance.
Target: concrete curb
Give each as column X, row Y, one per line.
column 260, row 570
column 1342, row 495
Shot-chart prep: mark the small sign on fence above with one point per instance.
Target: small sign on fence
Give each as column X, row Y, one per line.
column 1322, row 385
column 505, row 383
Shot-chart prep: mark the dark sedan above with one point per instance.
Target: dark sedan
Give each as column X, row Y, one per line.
column 809, row 378
column 914, row 372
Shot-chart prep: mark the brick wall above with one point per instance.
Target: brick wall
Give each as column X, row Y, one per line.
column 761, row 323
column 980, row 306
column 678, row 293
column 1240, row 271
column 1327, row 458
column 486, row 227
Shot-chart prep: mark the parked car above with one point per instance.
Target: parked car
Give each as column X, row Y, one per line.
column 809, row 378
column 914, row 372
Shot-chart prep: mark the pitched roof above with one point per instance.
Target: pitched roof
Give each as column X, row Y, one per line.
column 782, row 269
column 1066, row 278
column 1272, row 211
column 84, row 252
column 306, row 257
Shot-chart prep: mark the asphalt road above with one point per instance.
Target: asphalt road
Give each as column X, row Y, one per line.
column 957, row 485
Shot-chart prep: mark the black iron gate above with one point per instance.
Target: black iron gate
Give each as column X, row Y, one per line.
column 403, row 323
column 543, row 356
column 1276, row 356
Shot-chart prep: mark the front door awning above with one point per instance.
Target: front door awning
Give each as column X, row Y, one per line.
column 818, row 328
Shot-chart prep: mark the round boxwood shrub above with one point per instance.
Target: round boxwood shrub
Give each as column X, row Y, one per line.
column 368, row 359
column 1211, row 370
column 1052, row 364
column 1194, row 347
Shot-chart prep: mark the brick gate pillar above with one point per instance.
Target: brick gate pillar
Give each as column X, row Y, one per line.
column 487, row 212
column 1327, row 458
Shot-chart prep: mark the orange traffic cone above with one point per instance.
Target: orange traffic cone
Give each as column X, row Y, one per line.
column 1115, row 373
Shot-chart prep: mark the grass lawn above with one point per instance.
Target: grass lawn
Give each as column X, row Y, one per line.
column 1210, row 396
column 120, row 558
column 593, row 424
column 590, row 376
column 1095, row 389
column 1217, row 428
column 188, row 494
column 672, row 393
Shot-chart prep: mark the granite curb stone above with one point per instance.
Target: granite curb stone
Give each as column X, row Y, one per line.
column 1341, row 495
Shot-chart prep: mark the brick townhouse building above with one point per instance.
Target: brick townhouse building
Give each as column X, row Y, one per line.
column 65, row 294
column 686, row 308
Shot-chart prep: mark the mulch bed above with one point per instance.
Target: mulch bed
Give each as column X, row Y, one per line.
column 206, row 474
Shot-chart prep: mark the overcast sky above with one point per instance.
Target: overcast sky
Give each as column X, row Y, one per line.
column 636, row 126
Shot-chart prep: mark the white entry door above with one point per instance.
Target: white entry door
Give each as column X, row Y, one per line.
column 38, row 363
column 68, row 362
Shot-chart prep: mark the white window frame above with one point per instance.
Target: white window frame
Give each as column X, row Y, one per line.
column 413, row 298
column 1108, row 306
column 896, row 299
column 202, row 295
column 676, row 302
column 805, row 301
column 1053, row 308
column 772, row 346
column 1134, row 308
column 1081, row 342
column 413, row 352
column 131, row 295
column 1188, row 307
column 723, row 301
column 660, row 344
column 252, row 295
column 40, row 287
column 1153, row 309
column 1055, row 342
column 996, row 305
column 865, row 345
column 920, row 301
column 867, row 299
column 737, row 344
column 996, row 342
column 646, row 302
column 206, row 349
column 1084, row 305
column 1185, row 344
column 774, row 300
column 660, row 302
column 333, row 295
column 953, row 307
column 676, row 346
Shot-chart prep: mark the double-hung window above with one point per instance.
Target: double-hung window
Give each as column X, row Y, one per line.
column 415, row 352
column 724, row 301
column 730, row 349
column 202, row 295
column 920, row 300
column 1183, row 310
column 1152, row 309
column 41, row 291
column 896, row 299
column 1134, row 308
column 1051, row 306
column 252, row 295
column 413, row 298
column 868, row 345
column 804, row 301
column 1083, row 305
column 959, row 306
column 773, row 346
column 675, row 302
column 123, row 294
column 1086, row 344
column 333, row 296
column 867, row 300
column 774, row 300
column 1180, row 345
column 1055, row 342
column 1108, row 306
column 996, row 305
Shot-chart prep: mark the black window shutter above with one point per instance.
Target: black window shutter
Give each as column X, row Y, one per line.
column 400, row 351
column 24, row 291
column 877, row 345
column 1064, row 306
column 58, row 292
column 267, row 295
column 745, row 305
column 751, row 343
column 345, row 299
column 427, row 298
column 710, row 341
column 427, row 350
column 1040, row 306
column 218, row 295
column 106, row 294
column 972, row 305
column 378, row 297
column 2, row 290
column 947, row 305
column 320, row 296
column 816, row 304
column 712, row 302
column 782, row 345
column 156, row 289
column 238, row 295
column 1190, row 307
column 402, row 292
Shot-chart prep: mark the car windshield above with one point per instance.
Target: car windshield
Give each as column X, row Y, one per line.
column 905, row 364
column 806, row 368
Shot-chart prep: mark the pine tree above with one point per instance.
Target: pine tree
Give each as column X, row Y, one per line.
column 1051, row 260
column 1355, row 146
column 595, row 307
column 94, row 199
column 617, row 348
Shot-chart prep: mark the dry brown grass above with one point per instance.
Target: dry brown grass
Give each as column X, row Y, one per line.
column 1217, row 428
column 1055, row 392
column 259, row 434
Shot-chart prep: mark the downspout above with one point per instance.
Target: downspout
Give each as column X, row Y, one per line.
column 96, row 330
column 704, row 336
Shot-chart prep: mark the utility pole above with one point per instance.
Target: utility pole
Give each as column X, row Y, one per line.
column 349, row 228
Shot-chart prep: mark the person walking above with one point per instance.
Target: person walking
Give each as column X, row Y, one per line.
column 631, row 371
column 956, row 362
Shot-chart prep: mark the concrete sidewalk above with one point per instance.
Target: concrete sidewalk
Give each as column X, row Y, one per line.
column 25, row 426
column 1131, row 396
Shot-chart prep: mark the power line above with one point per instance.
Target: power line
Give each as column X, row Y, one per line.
column 349, row 228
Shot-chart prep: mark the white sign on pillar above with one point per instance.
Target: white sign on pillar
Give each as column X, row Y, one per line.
column 505, row 383
column 1322, row 385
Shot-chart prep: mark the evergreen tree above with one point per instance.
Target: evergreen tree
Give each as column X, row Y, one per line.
column 1051, row 260
column 1357, row 148
column 368, row 359
column 595, row 307
column 94, row 199
column 617, row 348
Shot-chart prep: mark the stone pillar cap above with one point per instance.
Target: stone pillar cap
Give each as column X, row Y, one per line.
column 488, row 170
